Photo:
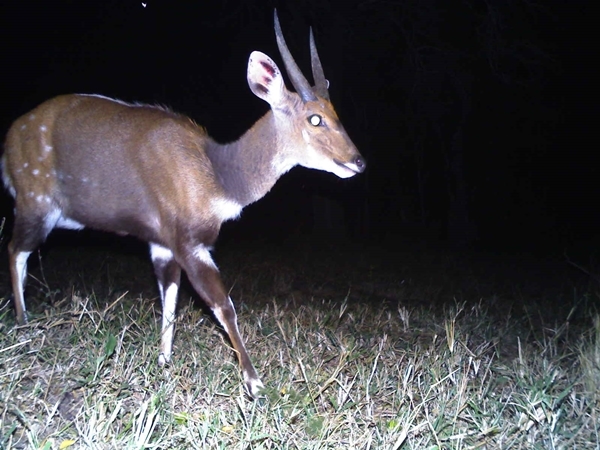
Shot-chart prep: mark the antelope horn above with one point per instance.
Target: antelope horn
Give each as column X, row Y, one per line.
column 321, row 83
column 300, row 83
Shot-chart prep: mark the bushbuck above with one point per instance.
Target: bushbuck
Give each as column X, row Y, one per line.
column 85, row 160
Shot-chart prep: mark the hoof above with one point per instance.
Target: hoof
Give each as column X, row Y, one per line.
column 163, row 360
column 254, row 387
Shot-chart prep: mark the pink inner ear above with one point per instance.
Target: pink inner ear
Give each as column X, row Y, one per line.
column 268, row 67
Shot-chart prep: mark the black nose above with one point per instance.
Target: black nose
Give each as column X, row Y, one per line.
column 360, row 163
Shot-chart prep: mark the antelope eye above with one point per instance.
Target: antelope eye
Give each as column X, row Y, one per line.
column 315, row 120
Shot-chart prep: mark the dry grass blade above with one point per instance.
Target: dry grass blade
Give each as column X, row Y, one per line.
column 342, row 369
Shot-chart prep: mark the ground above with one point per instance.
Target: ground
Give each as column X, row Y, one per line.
column 409, row 345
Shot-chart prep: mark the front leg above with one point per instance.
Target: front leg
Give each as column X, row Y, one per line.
column 168, row 275
column 204, row 276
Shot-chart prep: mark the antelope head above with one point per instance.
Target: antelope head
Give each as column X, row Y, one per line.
column 309, row 132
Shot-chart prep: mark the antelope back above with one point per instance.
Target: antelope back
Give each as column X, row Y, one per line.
column 109, row 165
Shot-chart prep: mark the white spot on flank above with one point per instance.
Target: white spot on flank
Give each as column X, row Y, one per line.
column 159, row 252
column 31, row 116
column 42, row 198
column 31, row 194
column 47, row 148
column 35, row 172
column 202, row 253
column 226, row 209
column 25, row 165
column 43, row 128
column 23, row 126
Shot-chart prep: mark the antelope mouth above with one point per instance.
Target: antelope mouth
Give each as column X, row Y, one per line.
column 350, row 167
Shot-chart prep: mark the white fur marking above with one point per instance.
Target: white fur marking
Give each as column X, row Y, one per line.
column 168, row 323
column 155, row 220
column 159, row 252
column 218, row 312
column 282, row 165
column 226, row 209
column 31, row 116
column 320, row 161
column 21, row 263
column 35, row 172
column 55, row 219
column 254, row 384
column 43, row 128
column 47, row 148
column 23, row 126
column 69, row 224
column 25, row 166
column 306, row 136
column 8, row 184
column 51, row 220
column 10, row 188
column 202, row 253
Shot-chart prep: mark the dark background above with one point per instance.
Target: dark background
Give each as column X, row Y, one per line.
column 475, row 117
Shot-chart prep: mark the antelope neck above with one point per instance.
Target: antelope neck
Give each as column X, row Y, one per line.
column 247, row 168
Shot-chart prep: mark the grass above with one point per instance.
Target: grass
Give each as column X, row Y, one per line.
column 411, row 350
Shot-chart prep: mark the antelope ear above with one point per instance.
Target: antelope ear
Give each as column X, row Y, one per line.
column 265, row 80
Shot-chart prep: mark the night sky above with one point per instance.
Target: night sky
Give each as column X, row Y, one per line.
column 475, row 117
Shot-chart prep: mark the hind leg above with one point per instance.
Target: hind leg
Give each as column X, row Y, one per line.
column 28, row 234
column 18, row 272
column 168, row 275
